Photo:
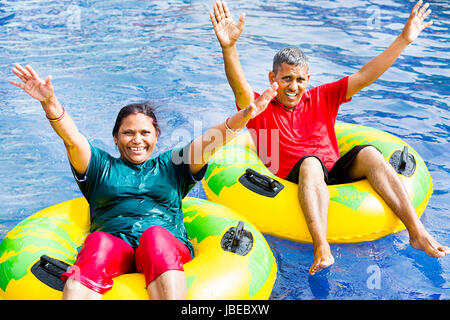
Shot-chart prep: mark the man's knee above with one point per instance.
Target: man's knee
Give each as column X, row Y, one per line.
column 311, row 168
column 370, row 153
column 368, row 159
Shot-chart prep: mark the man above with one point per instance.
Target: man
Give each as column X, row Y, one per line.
column 304, row 121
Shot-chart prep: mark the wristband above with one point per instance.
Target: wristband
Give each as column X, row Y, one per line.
column 228, row 128
column 58, row 118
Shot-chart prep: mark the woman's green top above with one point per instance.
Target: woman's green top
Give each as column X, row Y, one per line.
column 125, row 199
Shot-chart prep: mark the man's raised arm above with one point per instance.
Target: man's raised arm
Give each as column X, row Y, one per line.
column 378, row 65
column 228, row 33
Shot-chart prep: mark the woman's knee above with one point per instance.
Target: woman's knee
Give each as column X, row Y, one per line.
column 155, row 237
column 160, row 251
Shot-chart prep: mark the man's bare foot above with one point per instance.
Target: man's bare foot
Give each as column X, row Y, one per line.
column 424, row 241
column 322, row 259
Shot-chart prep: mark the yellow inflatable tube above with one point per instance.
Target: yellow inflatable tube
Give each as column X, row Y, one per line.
column 230, row 262
column 356, row 212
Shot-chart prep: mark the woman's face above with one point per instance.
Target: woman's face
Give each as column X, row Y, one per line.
column 136, row 138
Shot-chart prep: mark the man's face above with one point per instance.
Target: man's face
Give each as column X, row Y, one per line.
column 292, row 82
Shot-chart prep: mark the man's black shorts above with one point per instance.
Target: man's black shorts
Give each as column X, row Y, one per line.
column 338, row 174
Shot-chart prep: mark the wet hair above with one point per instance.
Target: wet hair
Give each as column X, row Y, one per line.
column 290, row 55
column 145, row 108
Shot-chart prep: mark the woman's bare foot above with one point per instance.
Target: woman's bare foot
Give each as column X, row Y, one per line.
column 322, row 258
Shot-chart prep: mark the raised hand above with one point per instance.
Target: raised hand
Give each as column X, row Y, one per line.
column 415, row 23
column 226, row 30
column 32, row 84
column 259, row 105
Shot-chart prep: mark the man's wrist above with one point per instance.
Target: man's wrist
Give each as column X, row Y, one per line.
column 403, row 40
column 228, row 48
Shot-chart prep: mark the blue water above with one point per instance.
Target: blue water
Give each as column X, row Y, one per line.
column 105, row 54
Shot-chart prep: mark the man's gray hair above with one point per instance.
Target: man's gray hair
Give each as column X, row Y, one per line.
column 290, row 55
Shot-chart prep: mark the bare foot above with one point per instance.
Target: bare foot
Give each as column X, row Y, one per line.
column 322, row 259
column 424, row 241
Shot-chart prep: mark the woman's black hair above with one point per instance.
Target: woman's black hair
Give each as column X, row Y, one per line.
column 145, row 108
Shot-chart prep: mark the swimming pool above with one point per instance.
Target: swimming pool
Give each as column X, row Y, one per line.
column 105, row 54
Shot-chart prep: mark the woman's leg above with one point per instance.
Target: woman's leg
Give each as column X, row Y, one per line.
column 160, row 256
column 102, row 258
column 170, row 285
column 74, row 290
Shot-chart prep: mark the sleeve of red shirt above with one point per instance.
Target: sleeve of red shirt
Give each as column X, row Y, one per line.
column 335, row 94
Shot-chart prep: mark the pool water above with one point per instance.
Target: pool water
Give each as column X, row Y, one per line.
column 105, row 54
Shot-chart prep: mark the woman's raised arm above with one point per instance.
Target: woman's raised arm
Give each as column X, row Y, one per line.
column 77, row 146
column 203, row 147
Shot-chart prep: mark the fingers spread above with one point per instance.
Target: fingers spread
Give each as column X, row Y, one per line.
column 426, row 25
column 213, row 19
column 269, row 93
column 19, row 74
column 22, row 71
column 48, row 81
column 225, row 10
column 17, row 84
column 418, row 4
column 426, row 14
column 217, row 11
column 422, row 10
column 241, row 22
column 221, row 10
column 32, row 72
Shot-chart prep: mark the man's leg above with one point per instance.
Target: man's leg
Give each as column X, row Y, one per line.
column 370, row 164
column 314, row 199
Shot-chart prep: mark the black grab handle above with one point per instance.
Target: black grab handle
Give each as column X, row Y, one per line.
column 404, row 158
column 260, row 179
column 260, row 183
column 237, row 240
column 49, row 270
column 237, row 235
column 403, row 162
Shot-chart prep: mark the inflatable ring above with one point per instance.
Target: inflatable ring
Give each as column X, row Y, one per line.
column 238, row 179
column 232, row 259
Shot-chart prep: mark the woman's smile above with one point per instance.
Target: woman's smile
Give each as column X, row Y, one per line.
column 136, row 138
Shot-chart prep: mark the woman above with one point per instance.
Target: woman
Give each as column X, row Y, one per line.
column 135, row 201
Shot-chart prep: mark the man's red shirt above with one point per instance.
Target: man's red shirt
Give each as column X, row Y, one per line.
column 282, row 136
